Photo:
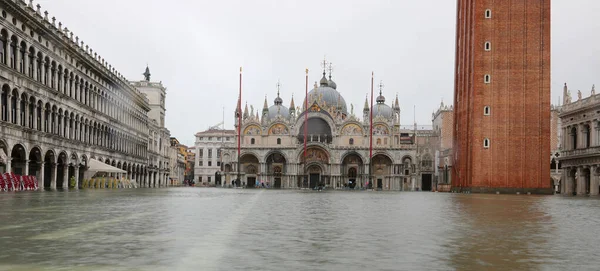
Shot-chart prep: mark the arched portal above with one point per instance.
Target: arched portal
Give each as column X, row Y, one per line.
column 318, row 156
column 49, row 166
column 35, row 163
column 18, row 158
column 72, row 165
column 276, row 168
column 315, row 176
column 251, row 168
column 61, row 171
column 352, row 166
column 381, row 169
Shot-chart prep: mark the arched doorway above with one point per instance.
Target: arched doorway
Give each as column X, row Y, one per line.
column 352, row 166
column 35, row 164
column 315, row 176
column 49, row 165
column 317, row 160
column 250, row 167
column 73, row 163
column 381, row 168
column 276, row 165
column 18, row 159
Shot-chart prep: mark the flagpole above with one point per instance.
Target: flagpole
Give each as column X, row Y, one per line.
column 238, row 181
column 305, row 127
column 371, row 131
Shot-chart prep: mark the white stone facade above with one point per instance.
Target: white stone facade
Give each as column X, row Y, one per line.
column 208, row 146
column 580, row 145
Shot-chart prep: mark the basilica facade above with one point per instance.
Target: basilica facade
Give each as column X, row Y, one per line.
column 337, row 145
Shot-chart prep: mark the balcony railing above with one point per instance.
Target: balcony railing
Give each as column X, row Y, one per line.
column 581, row 152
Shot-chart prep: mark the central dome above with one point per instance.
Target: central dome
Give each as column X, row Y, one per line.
column 326, row 96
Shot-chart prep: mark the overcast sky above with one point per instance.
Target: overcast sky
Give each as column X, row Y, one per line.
column 196, row 48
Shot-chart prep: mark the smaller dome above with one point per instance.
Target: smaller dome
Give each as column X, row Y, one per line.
column 278, row 100
column 324, row 81
column 380, row 99
column 278, row 109
column 382, row 109
column 332, row 84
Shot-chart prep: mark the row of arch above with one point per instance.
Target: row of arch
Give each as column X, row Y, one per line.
column 58, row 165
column 35, row 64
column 350, row 157
column 28, row 111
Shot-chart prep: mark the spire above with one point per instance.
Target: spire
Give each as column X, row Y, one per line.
column 246, row 111
column 238, row 110
column 292, row 105
column 565, row 94
column 366, row 104
column 147, row 73
column 396, row 103
column 265, row 106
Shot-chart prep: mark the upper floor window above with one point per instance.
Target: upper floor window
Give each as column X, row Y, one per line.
column 351, row 141
column 209, row 153
column 486, row 110
column 201, row 154
column 488, row 13
column 201, row 138
column 252, row 141
column 488, row 46
column 279, row 141
column 487, row 79
column 486, row 143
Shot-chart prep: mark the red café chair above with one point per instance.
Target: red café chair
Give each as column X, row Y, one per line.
column 33, row 180
column 8, row 181
column 2, row 183
column 26, row 182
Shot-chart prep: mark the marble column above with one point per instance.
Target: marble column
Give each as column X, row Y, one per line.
column 26, row 171
column 66, row 177
column 53, row 176
column 594, row 181
column 76, row 173
column 581, row 181
column 8, row 164
column 18, row 111
column 9, row 106
column 41, row 175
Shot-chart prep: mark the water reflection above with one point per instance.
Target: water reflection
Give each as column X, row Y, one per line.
column 220, row 229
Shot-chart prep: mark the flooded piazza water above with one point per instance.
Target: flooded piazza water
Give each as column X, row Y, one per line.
column 247, row 229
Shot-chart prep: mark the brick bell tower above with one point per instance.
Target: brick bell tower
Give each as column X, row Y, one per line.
column 502, row 97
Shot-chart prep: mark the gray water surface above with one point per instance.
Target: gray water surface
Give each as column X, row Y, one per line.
column 246, row 229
